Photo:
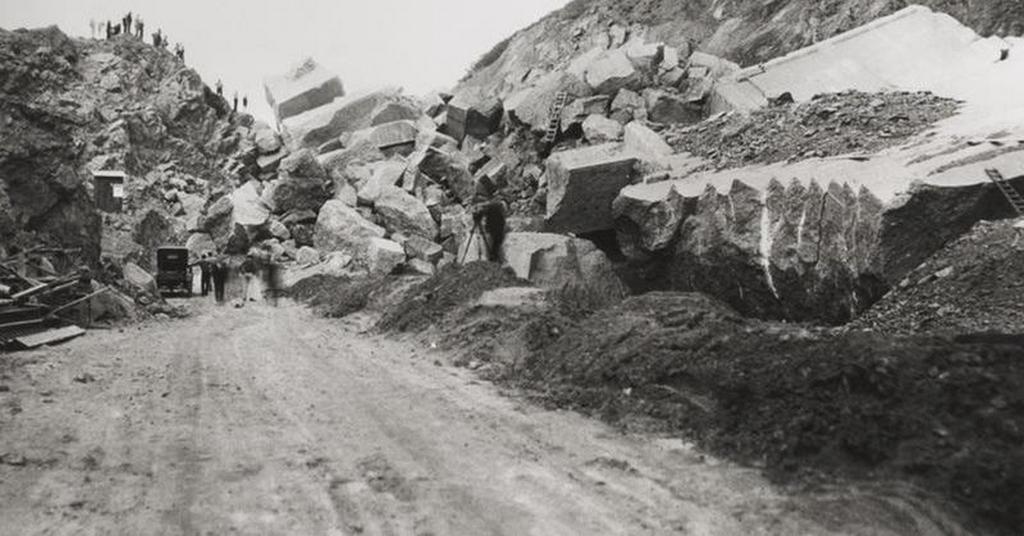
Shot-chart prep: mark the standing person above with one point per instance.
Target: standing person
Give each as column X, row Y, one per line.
column 206, row 272
column 249, row 268
column 110, row 30
column 140, row 28
column 128, row 23
column 273, row 281
column 489, row 220
column 235, row 98
column 219, row 274
column 220, row 88
column 245, row 102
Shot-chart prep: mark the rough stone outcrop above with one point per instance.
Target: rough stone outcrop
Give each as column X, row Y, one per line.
column 582, row 183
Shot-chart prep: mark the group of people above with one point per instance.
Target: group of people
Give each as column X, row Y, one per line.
column 216, row 271
column 234, row 98
column 134, row 26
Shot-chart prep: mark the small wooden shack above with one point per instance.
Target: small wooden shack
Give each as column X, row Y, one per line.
column 109, row 189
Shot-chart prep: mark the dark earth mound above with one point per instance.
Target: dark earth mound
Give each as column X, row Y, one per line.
column 945, row 414
column 975, row 283
column 426, row 303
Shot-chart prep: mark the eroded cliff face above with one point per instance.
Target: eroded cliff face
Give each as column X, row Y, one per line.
column 798, row 251
column 72, row 106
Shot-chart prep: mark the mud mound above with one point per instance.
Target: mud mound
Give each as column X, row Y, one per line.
column 428, row 302
column 829, row 125
column 975, row 283
column 945, row 414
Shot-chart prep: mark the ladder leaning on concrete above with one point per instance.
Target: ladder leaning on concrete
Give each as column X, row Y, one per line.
column 1012, row 195
column 555, row 117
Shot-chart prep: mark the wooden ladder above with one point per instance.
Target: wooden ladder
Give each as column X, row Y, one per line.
column 1012, row 195
column 555, row 117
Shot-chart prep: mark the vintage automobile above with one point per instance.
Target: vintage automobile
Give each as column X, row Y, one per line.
column 173, row 272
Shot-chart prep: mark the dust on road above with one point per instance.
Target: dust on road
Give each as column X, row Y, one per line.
column 270, row 421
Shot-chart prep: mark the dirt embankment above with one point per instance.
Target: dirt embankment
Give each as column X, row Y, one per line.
column 975, row 283
column 810, row 406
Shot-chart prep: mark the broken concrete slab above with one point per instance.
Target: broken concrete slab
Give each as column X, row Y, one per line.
column 303, row 88
column 647, row 219
column 582, row 183
column 340, row 227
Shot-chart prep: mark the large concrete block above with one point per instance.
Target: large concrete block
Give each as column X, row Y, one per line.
column 582, row 183
column 473, row 114
column 303, row 88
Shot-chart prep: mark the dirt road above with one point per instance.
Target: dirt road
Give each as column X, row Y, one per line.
column 271, row 421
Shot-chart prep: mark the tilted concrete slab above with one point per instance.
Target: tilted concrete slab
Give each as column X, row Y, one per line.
column 303, row 88
column 343, row 114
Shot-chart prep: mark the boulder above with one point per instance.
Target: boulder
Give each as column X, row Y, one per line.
column 556, row 261
column 610, row 72
column 217, row 219
column 531, row 106
column 582, row 183
column 343, row 114
column 447, row 168
column 578, row 110
column 644, row 142
column 403, row 109
column 290, row 194
column 270, row 163
column 647, row 219
column 600, row 129
column 421, row 266
column 307, row 255
column 395, row 135
column 267, row 140
column 418, row 247
column 385, row 174
column 384, row 255
column 279, row 230
column 473, row 113
column 346, row 193
column 628, row 106
column 303, row 88
column 247, row 207
column 401, row 212
column 359, row 150
column 671, row 108
column 199, row 243
column 302, row 163
column 646, row 57
column 336, row 264
column 139, row 278
column 340, row 227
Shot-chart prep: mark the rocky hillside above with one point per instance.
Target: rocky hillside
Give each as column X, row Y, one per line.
column 744, row 31
column 73, row 106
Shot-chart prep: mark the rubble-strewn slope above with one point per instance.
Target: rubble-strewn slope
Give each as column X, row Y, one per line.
column 744, row 31
column 975, row 283
column 72, row 106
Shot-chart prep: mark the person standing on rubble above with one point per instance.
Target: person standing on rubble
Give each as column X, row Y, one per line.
column 234, row 97
column 220, row 88
column 140, row 28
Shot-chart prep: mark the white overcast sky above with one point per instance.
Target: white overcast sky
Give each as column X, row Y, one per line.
column 417, row 44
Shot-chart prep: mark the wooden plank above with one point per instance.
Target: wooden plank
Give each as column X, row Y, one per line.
column 50, row 337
